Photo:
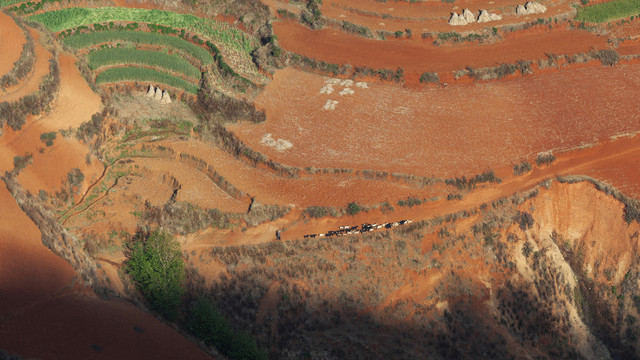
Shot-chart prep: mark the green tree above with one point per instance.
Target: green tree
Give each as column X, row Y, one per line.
column 155, row 264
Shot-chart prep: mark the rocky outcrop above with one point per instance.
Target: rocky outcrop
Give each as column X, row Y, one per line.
column 457, row 20
column 166, row 99
column 531, row 7
column 485, row 16
column 151, row 91
column 158, row 94
column 468, row 16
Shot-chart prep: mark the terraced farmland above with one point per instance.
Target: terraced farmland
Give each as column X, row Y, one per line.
column 83, row 40
column 128, row 56
column 135, row 73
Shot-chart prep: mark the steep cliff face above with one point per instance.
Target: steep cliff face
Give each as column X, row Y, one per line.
column 585, row 229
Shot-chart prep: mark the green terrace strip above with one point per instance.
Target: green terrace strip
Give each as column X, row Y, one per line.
column 82, row 40
column 219, row 32
column 127, row 56
column 134, row 73
column 4, row 3
column 608, row 11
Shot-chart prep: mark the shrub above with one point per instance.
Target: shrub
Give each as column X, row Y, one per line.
column 523, row 167
column 154, row 262
column 353, row 208
column 524, row 220
column 526, row 249
column 319, row 211
column 608, row 57
column 428, row 77
column 398, row 34
column 545, row 158
column 20, row 162
column 75, row 177
column 206, row 323
column 48, row 138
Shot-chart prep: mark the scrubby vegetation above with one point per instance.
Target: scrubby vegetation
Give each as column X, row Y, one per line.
column 154, row 262
column 429, row 78
column 15, row 113
column 133, row 73
column 523, row 167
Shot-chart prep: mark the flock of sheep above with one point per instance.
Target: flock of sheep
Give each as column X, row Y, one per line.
column 352, row 230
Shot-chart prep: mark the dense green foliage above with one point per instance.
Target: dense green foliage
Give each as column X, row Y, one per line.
column 208, row 324
column 119, row 56
column 608, row 11
column 155, row 264
column 218, row 32
column 82, row 40
column 134, row 73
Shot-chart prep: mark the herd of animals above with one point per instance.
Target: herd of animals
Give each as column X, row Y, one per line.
column 352, row 230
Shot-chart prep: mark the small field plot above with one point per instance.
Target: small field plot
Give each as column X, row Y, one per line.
column 127, row 56
column 444, row 132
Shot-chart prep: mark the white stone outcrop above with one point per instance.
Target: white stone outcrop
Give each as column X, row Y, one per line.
column 151, row 91
column 468, row 16
column 166, row 99
column 531, row 7
column 457, row 20
column 158, row 94
column 485, row 16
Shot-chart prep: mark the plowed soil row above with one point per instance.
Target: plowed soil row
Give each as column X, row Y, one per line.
column 419, row 56
column 32, row 83
column 11, row 42
column 443, row 132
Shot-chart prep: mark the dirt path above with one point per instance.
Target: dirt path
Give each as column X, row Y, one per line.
column 11, row 42
column 573, row 163
column 32, row 83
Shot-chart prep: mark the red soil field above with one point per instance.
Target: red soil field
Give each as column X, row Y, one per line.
column 595, row 161
column 416, row 57
column 74, row 105
column 85, row 327
column 432, row 16
column 443, row 132
column 11, row 42
column 28, row 270
column 269, row 188
column 32, row 83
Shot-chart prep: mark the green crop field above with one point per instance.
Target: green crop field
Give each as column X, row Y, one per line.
column 133, row 73
column 100, row 37
column 218, row 32
column 609, row 11
column 127, row 56
column 4, row 3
